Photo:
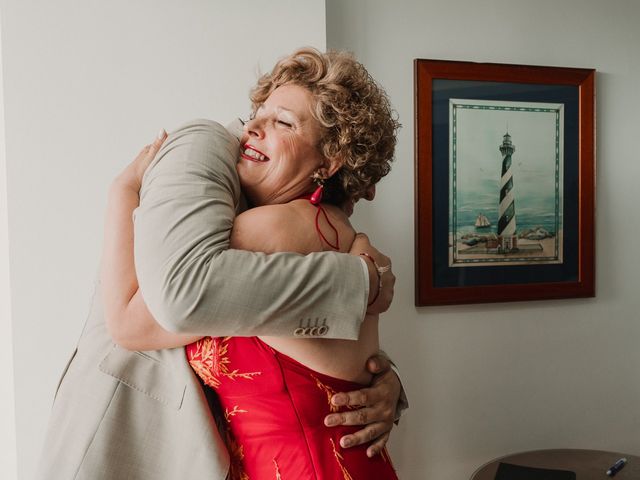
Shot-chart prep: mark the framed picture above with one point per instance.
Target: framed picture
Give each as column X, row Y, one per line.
column 505, row 176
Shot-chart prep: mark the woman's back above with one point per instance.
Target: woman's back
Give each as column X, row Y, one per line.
column 274, row 408
column 292, row 227
column 276, row 392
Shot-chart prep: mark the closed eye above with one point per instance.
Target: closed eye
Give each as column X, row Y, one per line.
column 283, row 123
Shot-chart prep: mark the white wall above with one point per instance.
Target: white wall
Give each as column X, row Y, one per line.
column 487, row 380
column 87, row 84
column 8, row 458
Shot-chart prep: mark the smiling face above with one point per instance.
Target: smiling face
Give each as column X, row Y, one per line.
column 279, row 150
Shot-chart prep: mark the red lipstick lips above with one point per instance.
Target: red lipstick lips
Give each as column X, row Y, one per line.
column 253, row 154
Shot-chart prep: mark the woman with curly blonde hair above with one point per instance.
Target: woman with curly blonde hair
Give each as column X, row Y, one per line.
column 358, row 126
column 321, row 135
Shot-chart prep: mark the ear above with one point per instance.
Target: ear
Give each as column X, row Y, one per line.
column 331, row 166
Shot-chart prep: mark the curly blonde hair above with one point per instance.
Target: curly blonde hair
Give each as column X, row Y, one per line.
column 359, row 125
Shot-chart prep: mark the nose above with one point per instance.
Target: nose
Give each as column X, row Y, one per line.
column 254, row 128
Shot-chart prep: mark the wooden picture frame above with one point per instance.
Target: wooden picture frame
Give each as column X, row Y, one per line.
column 504, row 179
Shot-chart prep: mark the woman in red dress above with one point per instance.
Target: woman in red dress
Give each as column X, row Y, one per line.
column 321, row 136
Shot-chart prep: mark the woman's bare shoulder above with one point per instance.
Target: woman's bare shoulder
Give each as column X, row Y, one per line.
column 290, row 227
column 273, row 228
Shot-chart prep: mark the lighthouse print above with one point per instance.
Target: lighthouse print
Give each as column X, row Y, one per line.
column 505, row 203
column 507, row 207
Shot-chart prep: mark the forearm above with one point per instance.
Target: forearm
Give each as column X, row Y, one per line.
column 139, row 331
column 239, row 293
column 118, row 276
column 127, row 316
column 190, row 279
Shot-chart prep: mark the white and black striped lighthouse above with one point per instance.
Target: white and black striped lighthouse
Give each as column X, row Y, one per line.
column 507, row 207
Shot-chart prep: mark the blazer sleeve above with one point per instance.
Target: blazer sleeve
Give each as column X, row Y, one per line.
column 193, row 283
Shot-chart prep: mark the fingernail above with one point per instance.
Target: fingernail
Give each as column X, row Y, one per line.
column 338, row 400
column 346, row 442
column 371, row 453
column 330, row 421
column 161, row 134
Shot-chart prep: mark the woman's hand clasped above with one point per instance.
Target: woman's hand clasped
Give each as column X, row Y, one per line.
column 132, row 175
column 382, row 280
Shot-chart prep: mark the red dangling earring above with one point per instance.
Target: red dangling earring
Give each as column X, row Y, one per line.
column 316, row 199
column 316, row 196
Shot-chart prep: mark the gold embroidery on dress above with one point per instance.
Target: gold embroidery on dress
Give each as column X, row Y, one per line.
column 278, row 477
column 339, row 458
column 236, row 451
column 228, row 414
column 211, row 363
column 330, row 393
column 236, row 454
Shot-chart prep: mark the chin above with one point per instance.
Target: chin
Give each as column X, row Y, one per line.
column 252, row 195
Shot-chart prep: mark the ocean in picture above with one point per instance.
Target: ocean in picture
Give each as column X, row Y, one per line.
column 526, row 219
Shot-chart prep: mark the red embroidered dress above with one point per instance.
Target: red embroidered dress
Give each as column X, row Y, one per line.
column 274, row 408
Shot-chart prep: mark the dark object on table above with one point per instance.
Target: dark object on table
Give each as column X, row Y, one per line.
column 616, row 467
column 507, row 471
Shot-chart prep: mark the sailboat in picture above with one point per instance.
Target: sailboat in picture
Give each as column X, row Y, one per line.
column 482, row 221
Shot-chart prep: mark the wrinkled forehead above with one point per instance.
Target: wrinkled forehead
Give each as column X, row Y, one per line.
column 290, row 92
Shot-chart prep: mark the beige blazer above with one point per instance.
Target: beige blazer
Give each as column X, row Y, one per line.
column 143, row 415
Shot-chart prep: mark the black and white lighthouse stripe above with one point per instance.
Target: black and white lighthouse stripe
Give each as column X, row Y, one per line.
column 507, row 207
